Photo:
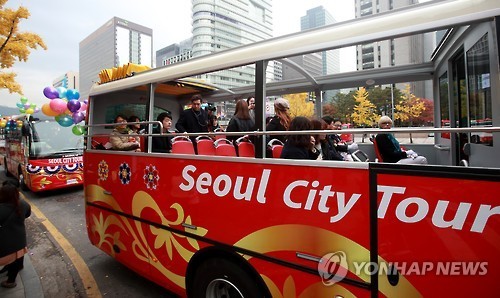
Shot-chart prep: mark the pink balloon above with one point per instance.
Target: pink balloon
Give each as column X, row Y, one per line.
column 58, row 105
column 83, row 107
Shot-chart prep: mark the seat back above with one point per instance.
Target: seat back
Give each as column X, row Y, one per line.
column 217, row 137
column 182, row 145
column 101, row 143
column 224, row 147
column 205, row 145
column 375, row 147
column 275, row 146
column 245, row 147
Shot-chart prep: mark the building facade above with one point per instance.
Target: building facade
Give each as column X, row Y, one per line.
column 69, row 80
column 116, row 43
column 397, row 51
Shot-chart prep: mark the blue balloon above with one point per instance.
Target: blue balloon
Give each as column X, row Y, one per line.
column 72, row 94
column 62, row 92
column 65, row 120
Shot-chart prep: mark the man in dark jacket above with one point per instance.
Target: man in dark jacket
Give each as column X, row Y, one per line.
column 194, row 119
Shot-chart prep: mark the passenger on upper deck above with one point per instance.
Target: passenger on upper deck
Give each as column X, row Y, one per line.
column 251, row 106
column 136, row 128
column 119, row 138
column 323, row 143
column 241, row 120
column 194, row 119
column 163, row 144
column 390, row 149
column 281, row 121
column 300, row 146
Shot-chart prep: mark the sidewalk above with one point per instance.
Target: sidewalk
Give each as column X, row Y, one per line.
column 28, row 283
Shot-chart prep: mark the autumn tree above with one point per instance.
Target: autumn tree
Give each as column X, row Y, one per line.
column 300, row 105
column 14, row 45
column 409, row 107
column 329, row 109
column 344, row 106
column 364, row 111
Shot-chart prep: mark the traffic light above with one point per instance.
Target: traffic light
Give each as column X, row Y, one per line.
column 311, row 96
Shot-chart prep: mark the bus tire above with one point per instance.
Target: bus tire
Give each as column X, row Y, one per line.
column 218, row 277
column 22, row 182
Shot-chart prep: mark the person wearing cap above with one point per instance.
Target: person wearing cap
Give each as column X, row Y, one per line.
column 390, row 149
column 163, row 143
column 281, row 120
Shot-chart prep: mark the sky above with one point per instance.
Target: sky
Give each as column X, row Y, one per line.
column 63, row 24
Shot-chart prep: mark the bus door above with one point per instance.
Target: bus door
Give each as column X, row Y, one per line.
column 458, row 111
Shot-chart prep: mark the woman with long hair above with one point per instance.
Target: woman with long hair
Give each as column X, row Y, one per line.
column 13, row 212
column 241, row 121
column 282, row 119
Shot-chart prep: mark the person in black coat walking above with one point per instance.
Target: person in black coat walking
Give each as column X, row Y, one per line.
column 13, row 212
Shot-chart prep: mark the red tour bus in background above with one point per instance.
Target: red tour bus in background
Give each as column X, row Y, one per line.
column 222, row 225
column 43, row 155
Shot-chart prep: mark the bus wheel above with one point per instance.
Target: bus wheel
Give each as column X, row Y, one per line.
column 222, row 278
column 22, row 183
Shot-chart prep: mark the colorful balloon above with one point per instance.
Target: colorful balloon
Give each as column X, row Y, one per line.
column 72, row 94
column 24, row 99
column 46, row 110
column 58, row 105
column 50, row 92
column 78, row 117
column 30, row 111
column 64, row 120
column 62, row 92
column 73, row 105
column 78, row 130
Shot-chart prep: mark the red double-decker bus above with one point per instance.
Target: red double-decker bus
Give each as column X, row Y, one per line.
column 215, row 224
column 43, row 155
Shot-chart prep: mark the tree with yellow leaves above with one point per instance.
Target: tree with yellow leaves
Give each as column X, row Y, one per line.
column 300, row 105
column 14, row 45
column 364, row 111
column 409, row 106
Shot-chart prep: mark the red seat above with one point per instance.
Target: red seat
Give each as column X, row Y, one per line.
column 276, row 146
column 375, row 147
column 101, row 142
column 205, row 145
column 217, row 137
column 245, row 147
column 182, row 145
column 224, row 147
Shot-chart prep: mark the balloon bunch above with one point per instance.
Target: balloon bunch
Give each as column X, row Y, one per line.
column 65, row 107
column 10, row 124
column 25, row 107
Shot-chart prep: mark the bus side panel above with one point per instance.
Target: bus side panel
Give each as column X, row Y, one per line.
column 441, row 232
column 275, row 211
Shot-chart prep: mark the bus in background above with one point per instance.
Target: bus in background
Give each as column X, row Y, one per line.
column 43, row 155
column 222, row 225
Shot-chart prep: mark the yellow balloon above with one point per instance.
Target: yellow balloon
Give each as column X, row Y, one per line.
column 48, row 111
column 3, row 124
column 30, row 111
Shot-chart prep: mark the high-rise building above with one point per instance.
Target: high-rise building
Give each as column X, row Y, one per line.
column 223, row 24
column 319, row 17
column 396, row 51
column 116, row 43
column 69, row 80
column 174, row 53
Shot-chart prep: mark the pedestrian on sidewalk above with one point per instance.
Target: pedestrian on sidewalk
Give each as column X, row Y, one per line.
column 13, row 212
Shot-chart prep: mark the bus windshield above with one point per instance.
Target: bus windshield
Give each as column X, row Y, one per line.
column 51, row 139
